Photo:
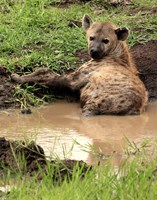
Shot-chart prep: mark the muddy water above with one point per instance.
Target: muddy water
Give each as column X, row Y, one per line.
column 56, row 126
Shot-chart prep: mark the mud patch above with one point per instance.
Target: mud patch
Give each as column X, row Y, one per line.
column 144, row 11
column 30, row 159
column 145, row 56
column 67, row 3
column 6, row 90
column 82, row 57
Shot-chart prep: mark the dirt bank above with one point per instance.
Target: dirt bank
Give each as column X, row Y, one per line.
column 29, row 159
column 145, row 56
column 6, row 89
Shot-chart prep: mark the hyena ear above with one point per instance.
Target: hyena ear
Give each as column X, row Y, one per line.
column 86, row 22
column 122, row 33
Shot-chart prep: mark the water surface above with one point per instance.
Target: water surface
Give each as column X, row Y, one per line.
column 56, row 126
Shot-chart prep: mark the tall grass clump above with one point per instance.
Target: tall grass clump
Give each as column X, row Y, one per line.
column 132, row 181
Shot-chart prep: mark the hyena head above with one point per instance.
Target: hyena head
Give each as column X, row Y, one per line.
column 102, row 37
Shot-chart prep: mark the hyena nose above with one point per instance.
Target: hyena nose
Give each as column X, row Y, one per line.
column 95, row 53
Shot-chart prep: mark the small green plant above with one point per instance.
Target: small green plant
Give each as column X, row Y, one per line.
column 25, row 97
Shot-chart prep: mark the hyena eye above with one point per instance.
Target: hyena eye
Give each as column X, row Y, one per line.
column 105, row 41
column 91, row 38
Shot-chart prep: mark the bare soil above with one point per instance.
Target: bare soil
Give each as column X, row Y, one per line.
column 144, row 11
column 66, row 3
column 145, row 56
column 13, row 153
column 6, row 89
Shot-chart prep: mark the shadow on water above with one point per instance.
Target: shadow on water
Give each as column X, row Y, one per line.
column 56, row 126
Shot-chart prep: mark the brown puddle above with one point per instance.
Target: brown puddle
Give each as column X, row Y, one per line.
column 56, row 126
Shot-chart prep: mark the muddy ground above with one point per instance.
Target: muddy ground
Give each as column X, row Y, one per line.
column 6, row 89
column 30, row 159
column 145, row 56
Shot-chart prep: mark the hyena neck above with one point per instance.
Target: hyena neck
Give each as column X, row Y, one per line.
column 122, row 56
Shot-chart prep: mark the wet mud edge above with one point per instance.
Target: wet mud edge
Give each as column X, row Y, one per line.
column 30, row 159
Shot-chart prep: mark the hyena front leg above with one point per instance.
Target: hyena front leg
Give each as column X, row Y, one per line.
column 42, row 75
column 74, row 81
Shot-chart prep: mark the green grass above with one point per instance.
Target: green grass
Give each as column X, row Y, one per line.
column 133, row 181
column 35, row 33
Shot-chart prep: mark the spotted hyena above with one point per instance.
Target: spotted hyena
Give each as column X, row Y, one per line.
column 109, row 82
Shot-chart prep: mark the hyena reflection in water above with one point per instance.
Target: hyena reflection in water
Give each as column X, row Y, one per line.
column 109, row 82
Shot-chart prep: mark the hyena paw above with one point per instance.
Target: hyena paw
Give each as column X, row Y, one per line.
column 87, row 113
column 42, row 71
column 16, row 78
